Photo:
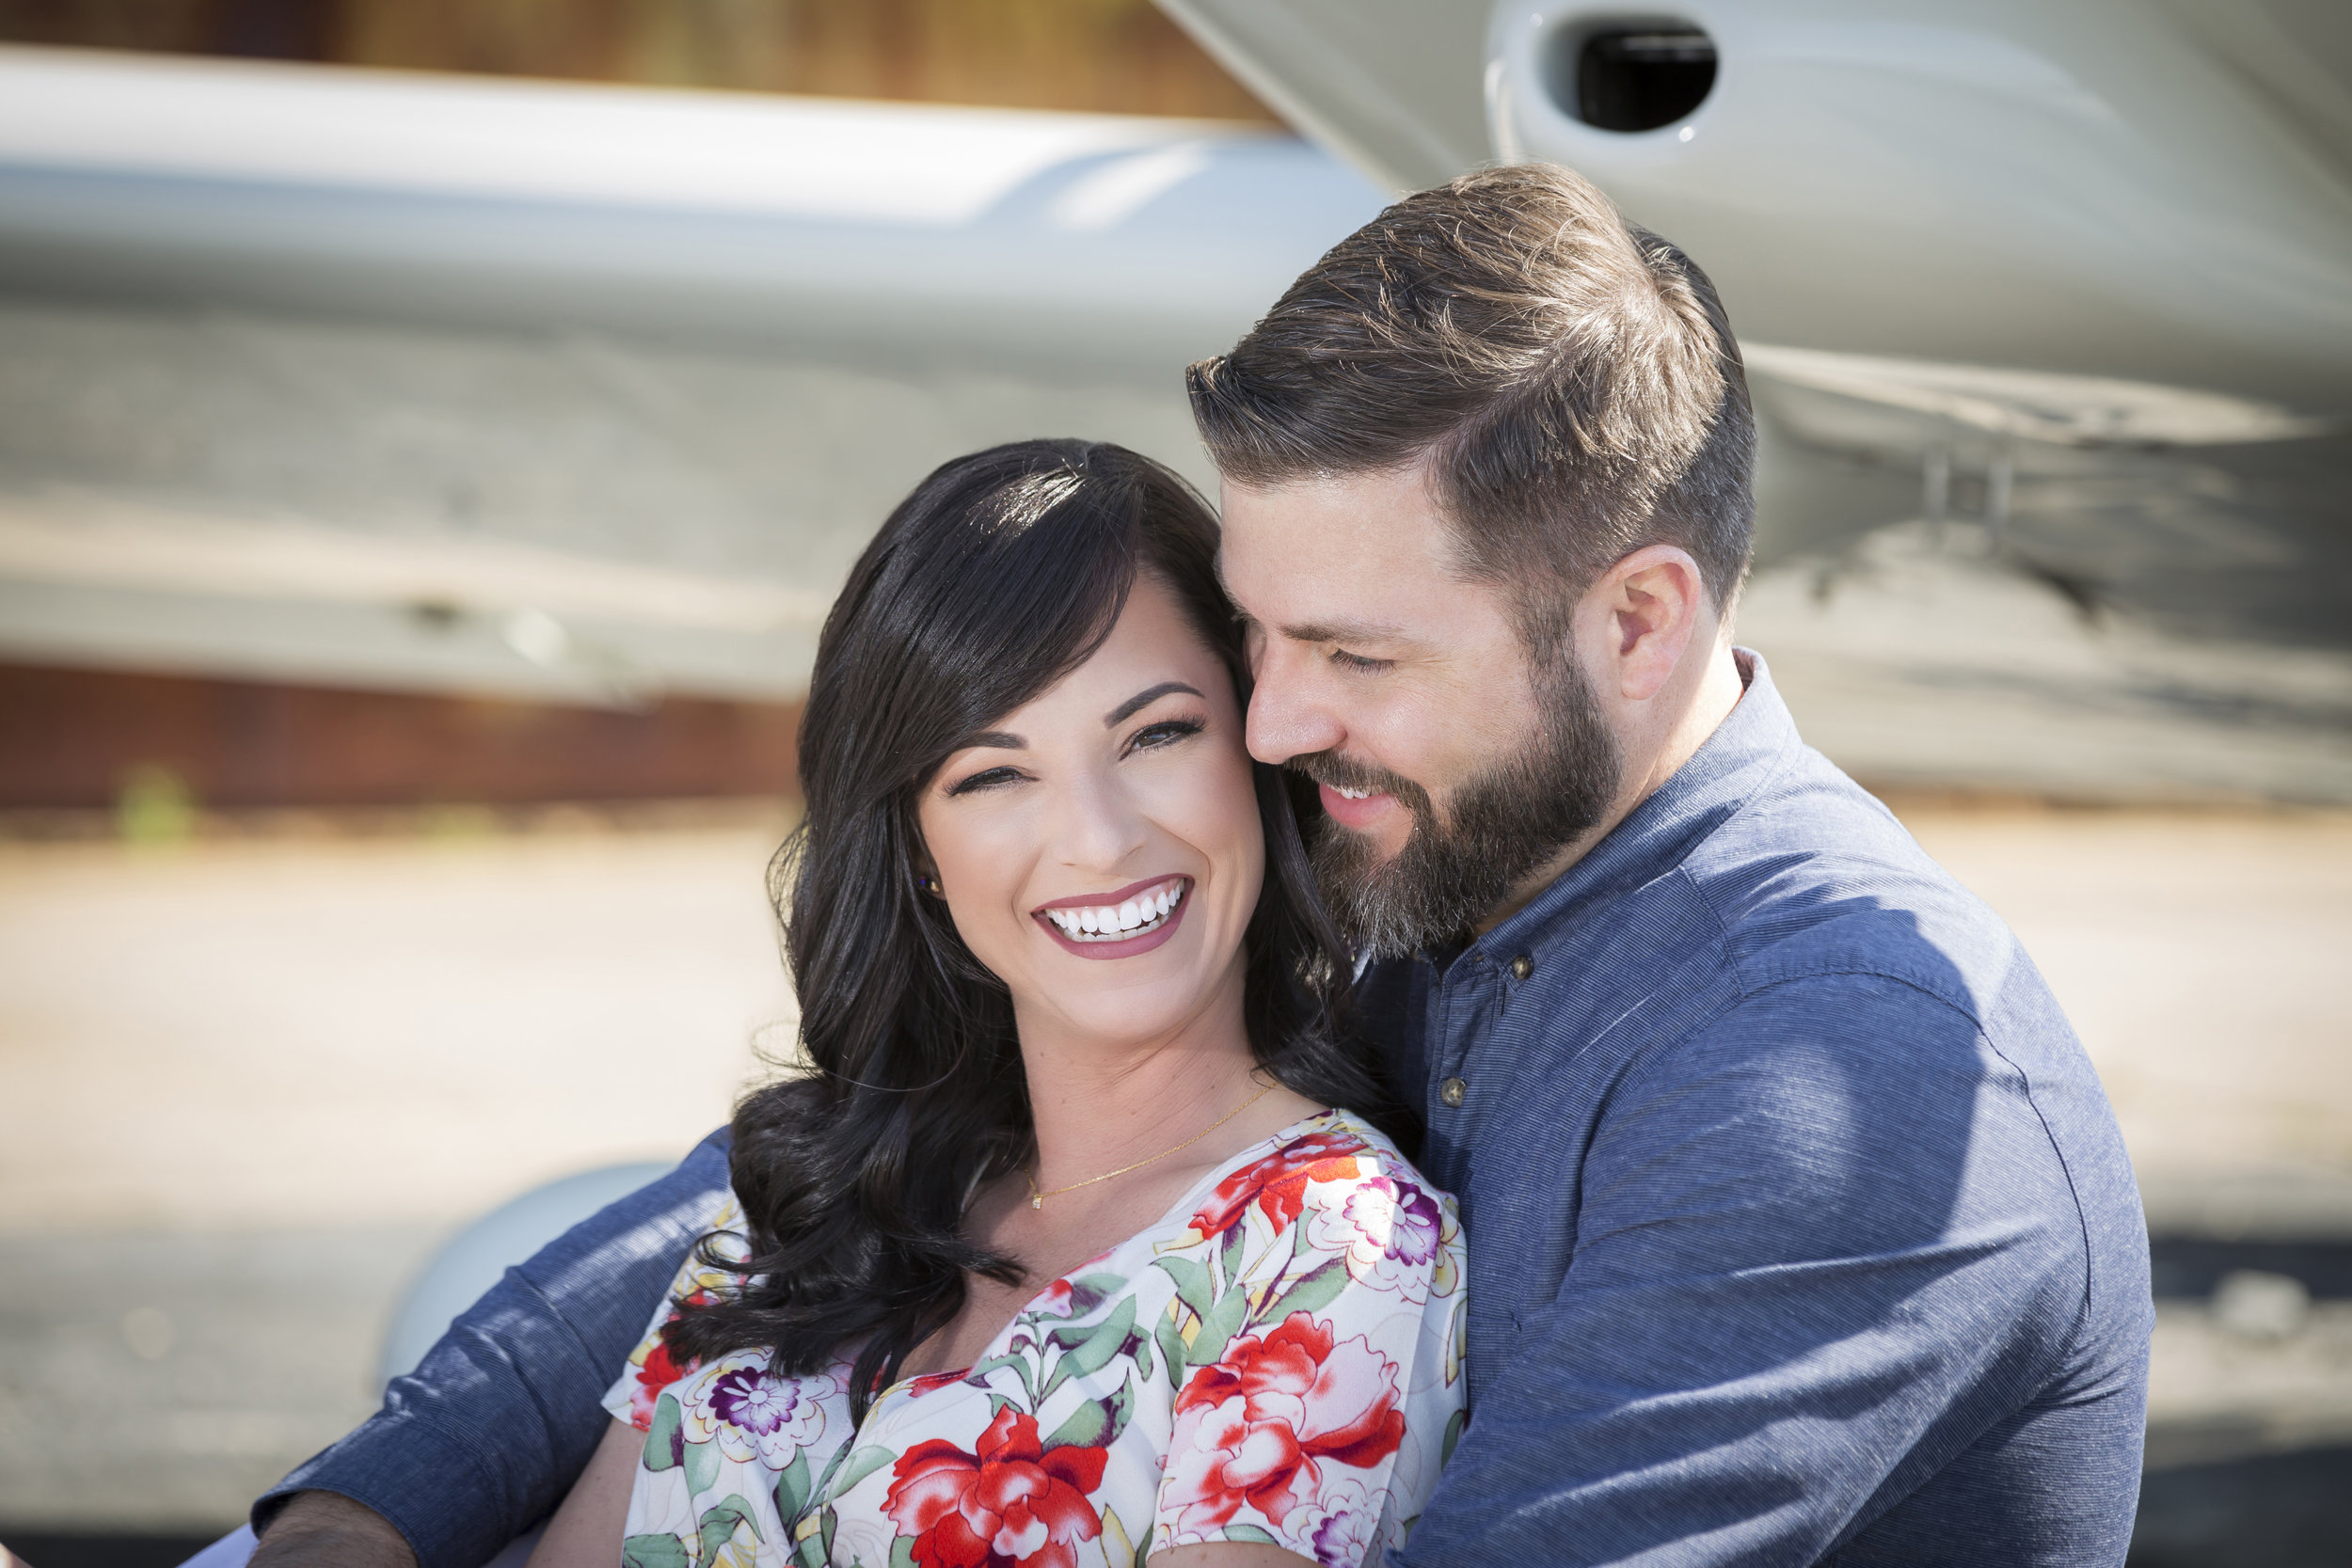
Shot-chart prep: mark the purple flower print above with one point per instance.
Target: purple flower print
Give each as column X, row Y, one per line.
column 1415, row 1223
column 752, row 1413
column 1342, row 1536
column 1390, row 1232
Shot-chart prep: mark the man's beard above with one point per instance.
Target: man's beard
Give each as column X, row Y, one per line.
column 1499, row 826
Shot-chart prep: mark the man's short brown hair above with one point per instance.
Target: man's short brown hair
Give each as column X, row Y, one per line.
column 1571, row 379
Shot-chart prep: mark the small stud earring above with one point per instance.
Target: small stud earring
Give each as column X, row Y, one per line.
column 928, row 883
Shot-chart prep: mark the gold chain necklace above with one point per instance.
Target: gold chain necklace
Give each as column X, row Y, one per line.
column 1036, row 1200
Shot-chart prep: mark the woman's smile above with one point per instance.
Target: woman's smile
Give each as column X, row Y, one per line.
column 1135, row 919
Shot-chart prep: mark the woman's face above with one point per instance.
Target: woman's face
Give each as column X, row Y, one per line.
column 1100, row 849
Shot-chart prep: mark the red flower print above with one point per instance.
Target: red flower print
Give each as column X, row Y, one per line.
column 1277, row 1183
column 1009, row 1506
column 930, row 1382
column 1254, row 1428
column 658, row 1373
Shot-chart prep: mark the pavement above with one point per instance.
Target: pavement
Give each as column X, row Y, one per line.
column 247, row 1085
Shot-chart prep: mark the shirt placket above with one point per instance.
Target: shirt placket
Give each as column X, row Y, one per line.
column 1464, row 1000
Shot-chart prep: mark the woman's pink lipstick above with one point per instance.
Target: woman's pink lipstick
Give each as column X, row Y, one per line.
column 1128, row 947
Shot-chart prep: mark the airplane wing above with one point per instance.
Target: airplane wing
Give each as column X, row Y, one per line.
column 581, row 392
column 591, row 393
column 1395, row 86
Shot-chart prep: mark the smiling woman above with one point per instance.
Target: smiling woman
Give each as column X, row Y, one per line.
column 1078, row 1242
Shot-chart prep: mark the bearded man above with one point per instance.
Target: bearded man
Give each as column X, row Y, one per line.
column 1799, row 1228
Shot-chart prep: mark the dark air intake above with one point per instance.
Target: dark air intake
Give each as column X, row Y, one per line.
column 1641, row 78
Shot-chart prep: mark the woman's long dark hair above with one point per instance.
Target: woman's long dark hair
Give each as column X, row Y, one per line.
column 1002, row 573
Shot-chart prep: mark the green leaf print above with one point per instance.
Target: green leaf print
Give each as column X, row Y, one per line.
column 1251, row 1533
column 1122, row 1409
column 1193, row 1286
column 792, row 1487
column 1084, row 1429
column 1143, row 1356
column 1097, row 1423
column 1219, row 1326
column 812, row 1541
column 653, row 1552
column 864, row 1463
column 1453, row 1425
column 719, row 1523
column 1014, row 1359
column 902, row 1552
column 1093, row 1352
column 1171, row 1342
column 702, row 1465
column 1229, row 1260
column 1315, row 1290
column 662, row 1445
column 1089, row 1292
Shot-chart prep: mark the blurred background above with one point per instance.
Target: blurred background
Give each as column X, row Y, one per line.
column 431, row 433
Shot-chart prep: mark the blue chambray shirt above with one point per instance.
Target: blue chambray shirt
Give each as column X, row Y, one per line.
column 1799, row 1228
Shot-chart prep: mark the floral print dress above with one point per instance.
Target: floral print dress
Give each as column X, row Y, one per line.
column 1276, row 1360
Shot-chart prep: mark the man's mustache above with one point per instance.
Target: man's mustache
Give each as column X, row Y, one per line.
column 1341, row 772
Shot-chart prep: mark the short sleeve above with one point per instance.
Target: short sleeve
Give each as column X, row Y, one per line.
column 1319, row 1419
column 650, row 1369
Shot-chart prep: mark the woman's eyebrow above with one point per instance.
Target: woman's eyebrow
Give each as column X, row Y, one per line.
column 1142, row 700
column 1002, row 740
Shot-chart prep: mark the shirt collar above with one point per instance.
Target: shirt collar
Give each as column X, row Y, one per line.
column 1746, row 747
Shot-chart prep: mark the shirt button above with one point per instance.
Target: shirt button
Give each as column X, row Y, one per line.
column 1521, row 967
column 1451, row 1090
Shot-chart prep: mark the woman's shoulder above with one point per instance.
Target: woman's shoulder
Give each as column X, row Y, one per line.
column 1321, row 1161
column 1337, row 1185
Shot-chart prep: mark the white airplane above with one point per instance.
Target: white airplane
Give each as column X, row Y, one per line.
column 580, row 392
column 593, row 392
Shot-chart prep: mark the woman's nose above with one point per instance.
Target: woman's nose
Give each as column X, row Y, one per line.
column 1101, row 826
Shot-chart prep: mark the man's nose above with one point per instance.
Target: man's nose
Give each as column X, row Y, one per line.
column 1287, row 715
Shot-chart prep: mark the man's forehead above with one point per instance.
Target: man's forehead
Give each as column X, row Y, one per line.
column 1336, row 557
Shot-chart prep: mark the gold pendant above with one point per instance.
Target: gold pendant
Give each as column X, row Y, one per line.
column 1037, row 1200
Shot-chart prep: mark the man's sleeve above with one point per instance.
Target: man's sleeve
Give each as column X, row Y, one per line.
column 1822, row 1246
column 486, row 1436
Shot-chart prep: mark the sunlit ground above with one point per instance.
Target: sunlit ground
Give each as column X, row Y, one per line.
column 247, row 1084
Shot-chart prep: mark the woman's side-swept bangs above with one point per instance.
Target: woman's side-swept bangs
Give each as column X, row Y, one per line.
column 1002, row 573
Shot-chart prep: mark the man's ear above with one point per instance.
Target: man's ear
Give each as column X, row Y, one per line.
column 1654, row 602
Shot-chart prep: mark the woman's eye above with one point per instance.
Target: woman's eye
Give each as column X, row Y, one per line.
column 1165, row 734
column 991, row 779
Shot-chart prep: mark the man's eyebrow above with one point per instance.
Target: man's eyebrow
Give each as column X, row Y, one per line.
column 1344, row 631
column 1142, row 700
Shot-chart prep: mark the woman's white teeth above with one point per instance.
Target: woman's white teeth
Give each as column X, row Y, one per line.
column 1345, row 793
column 1107, row 923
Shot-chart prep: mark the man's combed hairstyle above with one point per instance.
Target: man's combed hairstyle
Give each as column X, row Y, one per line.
column 1570, row 379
